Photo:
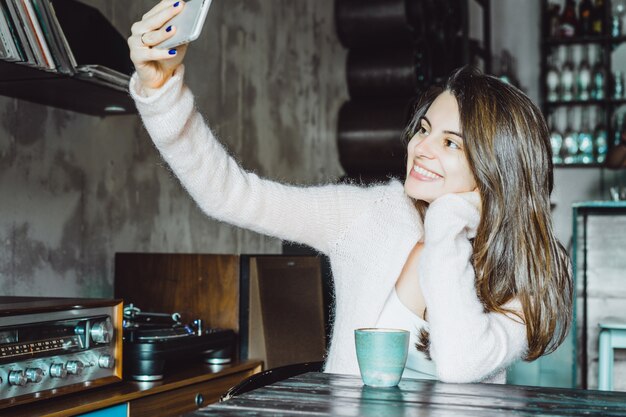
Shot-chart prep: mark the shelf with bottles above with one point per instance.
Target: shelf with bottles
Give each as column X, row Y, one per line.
column 571, row 22
column 610, row 102
column 578, row 136
column 582, row 40
column 583, row 71
column 576, row 40
column 584, row 21
column 578, row 103
column 580, row 82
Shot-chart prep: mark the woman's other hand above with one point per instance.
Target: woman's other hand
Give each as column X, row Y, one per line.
column 155, row 66
column 451, row 214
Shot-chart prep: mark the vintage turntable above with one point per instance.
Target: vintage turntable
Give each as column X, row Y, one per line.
column 156, row 343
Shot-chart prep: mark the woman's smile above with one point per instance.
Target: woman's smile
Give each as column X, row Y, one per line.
column 423, row 174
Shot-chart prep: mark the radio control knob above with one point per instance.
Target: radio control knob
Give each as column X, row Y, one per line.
column 57, row 370
column 17, row 378
column 106, row 361
column 74, row 367
column 34, row 374
column 101, row 331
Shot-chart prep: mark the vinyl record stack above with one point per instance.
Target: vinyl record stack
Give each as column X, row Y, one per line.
column 31, row 34
column 396, row 50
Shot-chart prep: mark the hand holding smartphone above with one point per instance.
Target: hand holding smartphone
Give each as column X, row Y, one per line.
column 188, row 23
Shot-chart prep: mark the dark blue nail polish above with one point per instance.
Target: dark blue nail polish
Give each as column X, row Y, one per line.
column 168, row 28
column 176, row 4
column 172, row 51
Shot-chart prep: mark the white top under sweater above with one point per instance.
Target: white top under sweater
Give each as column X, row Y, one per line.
column 396, row 315
column 367, row 233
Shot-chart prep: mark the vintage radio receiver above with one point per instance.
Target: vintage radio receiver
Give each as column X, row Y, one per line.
column 54, row 346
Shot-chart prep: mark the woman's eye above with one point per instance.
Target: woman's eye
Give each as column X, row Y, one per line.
column 451, row 144
column 422, row 131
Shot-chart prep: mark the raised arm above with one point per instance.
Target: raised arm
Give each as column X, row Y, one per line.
column 466, row 343
column 223, row 190
column 314, row 216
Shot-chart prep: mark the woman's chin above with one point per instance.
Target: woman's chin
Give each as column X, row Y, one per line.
column 417, row 195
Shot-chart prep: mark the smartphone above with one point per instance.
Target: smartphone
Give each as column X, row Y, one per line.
column 188, row 23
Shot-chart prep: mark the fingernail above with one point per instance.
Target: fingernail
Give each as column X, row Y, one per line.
column 176, row 4
column 172, row 51
column 168, row 28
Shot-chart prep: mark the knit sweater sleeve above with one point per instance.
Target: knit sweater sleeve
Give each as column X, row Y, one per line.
column 223, row 190
column 466, row 343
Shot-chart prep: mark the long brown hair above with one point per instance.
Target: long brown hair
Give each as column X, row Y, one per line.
column 515, row 252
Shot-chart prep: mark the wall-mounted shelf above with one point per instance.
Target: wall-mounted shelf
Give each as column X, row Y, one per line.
column 571, row 103
column 62, row 91
column 577, row 165
column 582, row 40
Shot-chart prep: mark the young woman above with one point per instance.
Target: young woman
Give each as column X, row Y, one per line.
column 462, row 255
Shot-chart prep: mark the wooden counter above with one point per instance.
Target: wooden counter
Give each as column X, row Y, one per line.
column 319, row 394
column 178, row 393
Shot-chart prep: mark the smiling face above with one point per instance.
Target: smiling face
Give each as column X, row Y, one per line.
column 436, row 161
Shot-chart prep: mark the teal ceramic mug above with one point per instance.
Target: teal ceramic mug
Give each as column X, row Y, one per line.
column 381, row 354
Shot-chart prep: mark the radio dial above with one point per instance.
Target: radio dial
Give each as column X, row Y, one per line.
column 106, row 361
column 101, row 331
column 34, row 375
column 74, row 367
column 17, row 378
column 57, row 370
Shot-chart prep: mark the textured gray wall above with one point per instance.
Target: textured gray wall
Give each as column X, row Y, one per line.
column 75, row 189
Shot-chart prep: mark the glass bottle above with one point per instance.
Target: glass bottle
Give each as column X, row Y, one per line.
column 584, row 76
column 619, row 127
column 618, row 85
column 584, row 17
column 554, row 11
column 553, row 78
column 597, row 18
column 570, row 140
column 600, row 138
column 506, row 69
column 585, row 139
column 598, row 76
column 556, row 141
column 567, row 76
column 621, row 139
column 568, row 22
column 616, row 18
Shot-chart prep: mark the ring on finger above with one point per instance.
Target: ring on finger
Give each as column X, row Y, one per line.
column 142, row 41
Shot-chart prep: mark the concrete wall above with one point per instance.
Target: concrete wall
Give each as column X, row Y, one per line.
column 75, row 189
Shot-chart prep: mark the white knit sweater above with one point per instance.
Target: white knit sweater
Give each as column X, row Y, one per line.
column 367, row 233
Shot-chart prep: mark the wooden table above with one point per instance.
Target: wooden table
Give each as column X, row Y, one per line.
column 319, row 394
